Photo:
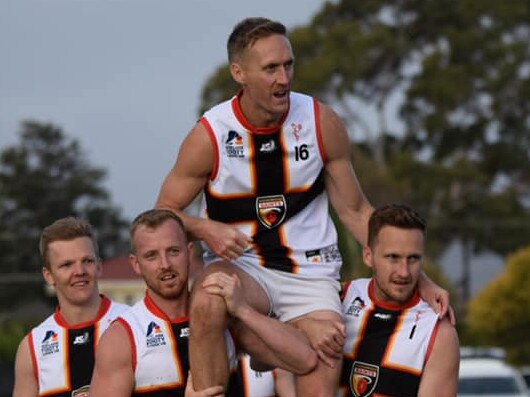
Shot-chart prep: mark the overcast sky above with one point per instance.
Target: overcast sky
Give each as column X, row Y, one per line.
column 122, row 76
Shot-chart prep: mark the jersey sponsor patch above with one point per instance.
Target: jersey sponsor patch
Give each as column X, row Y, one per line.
column 268, row 147
column 82, row 339
column 363, row 378
column 326, row 254
column 184, row 332
column 50, row 343
column 154, row 336
column 383, row 316
column 355, row 307
column 234, row 144
column 271, row 210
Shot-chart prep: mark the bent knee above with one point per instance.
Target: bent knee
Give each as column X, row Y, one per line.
column 207, row 308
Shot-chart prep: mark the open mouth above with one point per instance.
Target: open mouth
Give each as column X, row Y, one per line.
column 280, row 94
column 168, row 276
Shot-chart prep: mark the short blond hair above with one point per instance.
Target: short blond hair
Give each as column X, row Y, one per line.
column 152, row 219
column 248, row 31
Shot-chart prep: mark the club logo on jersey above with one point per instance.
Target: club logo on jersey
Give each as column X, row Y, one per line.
column 363, row 378
column 234, row 144
column 268, row 147
column 155, row 336
column 355, row 307
column 82, row 339
column 271, row 210
column 296, row 128
column 83, row 391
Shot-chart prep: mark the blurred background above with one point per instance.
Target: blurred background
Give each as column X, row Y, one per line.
column 96, row 96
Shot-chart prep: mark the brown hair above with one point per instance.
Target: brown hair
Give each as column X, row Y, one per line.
column 249, row 30
column 65, row 229
column 396, row 215
column 152, row 219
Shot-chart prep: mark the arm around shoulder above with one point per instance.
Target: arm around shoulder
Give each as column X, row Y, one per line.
column 440, row 375
column 26, row 384
column 113, row 372
column 342, row 186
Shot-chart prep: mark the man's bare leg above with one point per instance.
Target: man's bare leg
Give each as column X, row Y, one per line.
column 208, row 321
column 207, row 347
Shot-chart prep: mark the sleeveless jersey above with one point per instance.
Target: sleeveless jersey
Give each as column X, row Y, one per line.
column 159, row 348
column 269, row 182
column 63, row 354
column 252, row 383
column 387, row 346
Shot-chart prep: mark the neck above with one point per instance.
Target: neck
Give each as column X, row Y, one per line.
column 76, row 314
column 174, row 307
column 257, row 117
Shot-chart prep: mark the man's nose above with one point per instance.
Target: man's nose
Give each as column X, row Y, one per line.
column 403, row 268
column 283, row 75
column 80, row 268
column 164, row 262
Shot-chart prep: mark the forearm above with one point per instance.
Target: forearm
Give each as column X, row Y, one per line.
column 356, row 221
column 195, row 226
column 286, row 343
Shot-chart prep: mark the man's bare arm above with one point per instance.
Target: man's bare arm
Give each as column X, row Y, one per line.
column 214, row 391
column 113, row 372
column 436, row 297
column 187, row 178
column 440, row 375
column 343, row 188
column 26, row 385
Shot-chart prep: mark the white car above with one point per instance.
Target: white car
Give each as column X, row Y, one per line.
column 489, row 377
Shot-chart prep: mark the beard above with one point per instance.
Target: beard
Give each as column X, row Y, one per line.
column 171, row 293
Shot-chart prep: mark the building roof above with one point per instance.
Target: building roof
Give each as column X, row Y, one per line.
column 118, row 269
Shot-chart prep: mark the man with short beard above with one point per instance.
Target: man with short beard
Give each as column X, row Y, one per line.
column 396, row 345
column 145, row 352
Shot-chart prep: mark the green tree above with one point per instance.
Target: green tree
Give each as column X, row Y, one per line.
column 43, row 177
column 500, row 314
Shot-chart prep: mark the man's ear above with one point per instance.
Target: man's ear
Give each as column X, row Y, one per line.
column 133, row 260
column 99, row 268
column 367, row 256
column 237, row 72
column 48, row 276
